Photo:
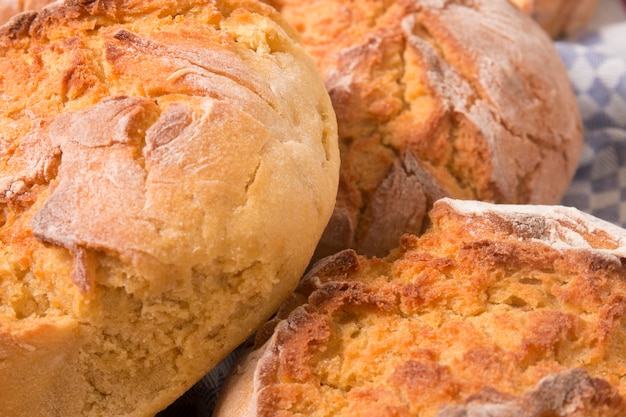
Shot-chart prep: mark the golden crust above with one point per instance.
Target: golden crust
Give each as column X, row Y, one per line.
column 436, row 98
column 167, row 169
column 495, row 310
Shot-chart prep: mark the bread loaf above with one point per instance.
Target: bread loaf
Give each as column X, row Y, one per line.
column 496, row 310
column 167, row 170
column 437, row 98
column 560, row 17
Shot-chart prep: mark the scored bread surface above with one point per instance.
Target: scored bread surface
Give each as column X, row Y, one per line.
column 494, row 311
column 167, row 170
column 467, row 99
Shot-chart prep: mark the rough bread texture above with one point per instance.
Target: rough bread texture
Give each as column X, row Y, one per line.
column 167, row 169
column 560, row 17
column 467, row 99
column 495, row 310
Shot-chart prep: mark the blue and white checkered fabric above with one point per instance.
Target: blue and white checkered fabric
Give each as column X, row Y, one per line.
column 597, row 68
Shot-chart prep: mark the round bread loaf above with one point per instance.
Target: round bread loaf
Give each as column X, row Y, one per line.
column 560, row 17
column 496, row 310
column 467, row 99
column 168, row 168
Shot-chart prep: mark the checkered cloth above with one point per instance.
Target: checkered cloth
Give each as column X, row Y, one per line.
column 597, row 66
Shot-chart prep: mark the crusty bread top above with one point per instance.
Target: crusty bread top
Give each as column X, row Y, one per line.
column 166, row 170
column 495, row 310
column 461, row 98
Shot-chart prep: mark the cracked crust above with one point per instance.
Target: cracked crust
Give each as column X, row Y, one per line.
column 560, row 17
column 495, row 310
column 457, row 98
column 168, row 168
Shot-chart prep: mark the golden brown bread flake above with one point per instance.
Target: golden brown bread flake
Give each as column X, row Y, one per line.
column 494, row 311
column 461, row 98
column 166, row 171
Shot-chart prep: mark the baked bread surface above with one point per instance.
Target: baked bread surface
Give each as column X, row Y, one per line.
column 437, row 98
column 494, row 311
column 167, row 170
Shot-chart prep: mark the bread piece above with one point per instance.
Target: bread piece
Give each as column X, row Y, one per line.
column 496, row 310
column 433, row 98
column 560, row 17
column 167, row 170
